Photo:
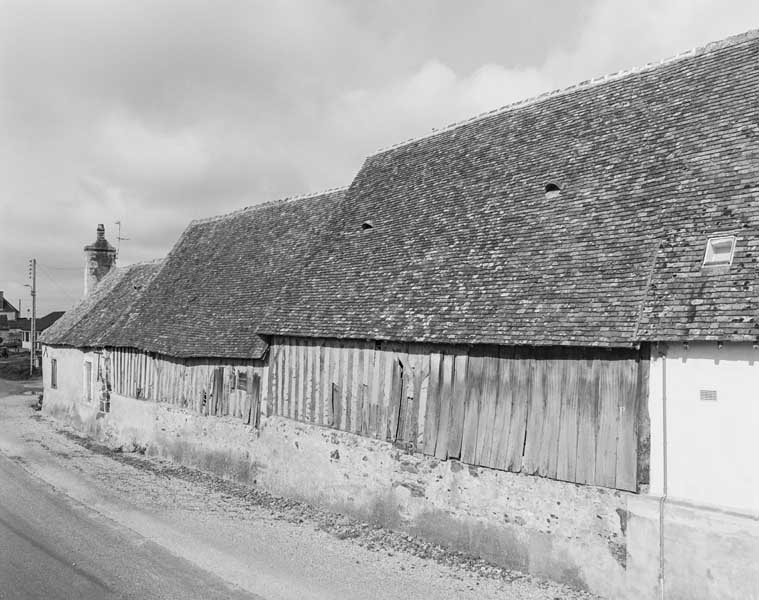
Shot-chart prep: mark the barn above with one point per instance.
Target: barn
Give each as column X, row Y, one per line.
column 531, row 336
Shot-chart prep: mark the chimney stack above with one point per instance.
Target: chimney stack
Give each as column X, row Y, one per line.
column 99, row 258
column 1, row 301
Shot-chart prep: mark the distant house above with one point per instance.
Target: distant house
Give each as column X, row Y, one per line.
column 23, row 327
column 531, row 336
column 7, row 310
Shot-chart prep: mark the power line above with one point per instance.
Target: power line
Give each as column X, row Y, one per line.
column 65, row 268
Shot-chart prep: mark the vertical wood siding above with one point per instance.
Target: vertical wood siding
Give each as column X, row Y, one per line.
column 565, row 413
column 206, row 386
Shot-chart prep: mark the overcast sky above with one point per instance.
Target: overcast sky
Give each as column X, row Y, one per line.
column 157, row 112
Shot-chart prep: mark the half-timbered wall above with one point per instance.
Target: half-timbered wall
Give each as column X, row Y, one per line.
column 220, row 387
column 574, row 414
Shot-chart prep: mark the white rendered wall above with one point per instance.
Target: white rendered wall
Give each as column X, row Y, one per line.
column 712, row 446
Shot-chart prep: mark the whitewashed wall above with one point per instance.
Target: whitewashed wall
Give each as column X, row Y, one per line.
column 712, row 444
column 70, row 372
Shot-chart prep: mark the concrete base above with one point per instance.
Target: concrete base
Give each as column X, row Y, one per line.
column 595, row 539
column 708, row 553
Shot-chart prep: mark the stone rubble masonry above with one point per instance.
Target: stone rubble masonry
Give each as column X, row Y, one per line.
column 569, row 533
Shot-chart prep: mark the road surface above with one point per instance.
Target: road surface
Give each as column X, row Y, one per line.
column 79, row 522
column 52, row 547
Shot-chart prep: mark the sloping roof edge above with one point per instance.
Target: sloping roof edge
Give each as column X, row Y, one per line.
column 733, row 40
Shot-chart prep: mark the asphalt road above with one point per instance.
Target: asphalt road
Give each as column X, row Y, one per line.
column 16, row 387
column 53, row 548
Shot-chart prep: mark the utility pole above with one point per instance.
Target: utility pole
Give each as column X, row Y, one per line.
column 33, row 337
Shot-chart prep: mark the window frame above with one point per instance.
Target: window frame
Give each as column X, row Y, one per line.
column 709, row 253
column 89, row 387
column 53, row 374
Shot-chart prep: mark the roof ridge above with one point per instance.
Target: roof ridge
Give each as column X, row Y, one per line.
column 143, row 263
column 733, row 40
column 266, row 204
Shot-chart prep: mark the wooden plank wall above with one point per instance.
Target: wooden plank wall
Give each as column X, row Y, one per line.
column 564, row 413
column 206, row 386
column 372, row 389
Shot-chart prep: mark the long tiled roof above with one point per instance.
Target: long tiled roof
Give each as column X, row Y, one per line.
column 98, row 319
column 467, row 247
column 464, row 245
column 223, row 275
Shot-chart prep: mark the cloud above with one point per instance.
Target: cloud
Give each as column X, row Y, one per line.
column 132, row 150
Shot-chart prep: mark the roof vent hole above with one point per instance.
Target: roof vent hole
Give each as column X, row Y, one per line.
column 367, row 225
column 552, row 190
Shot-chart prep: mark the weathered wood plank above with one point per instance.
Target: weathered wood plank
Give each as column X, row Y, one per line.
column 643, row 422
column 255, row 404
column 387, row 390
column 366, row 382
column 502, row 419
column 308, row 382
column 299, row 375
column 522, row 367
column 536, row 417
column 279, row 405
column 549, row 441
column 374, row 391
column 357, row 372
column 459, row 395
column 485, row 450
column 286, row 378
column 405, row 393
column 330, row 386
column 566, row 462
column 396, row 400
column 627, row 444
column 348, row 356
column 446, row 391
column 292, row 377
column 326, row 384
column 472, row 405
column 314, row 381
column 247, row 410
column 432, row 413
column 419, row 361
column 338, row 387
column 305, row 414
column 608, row 413
column 270, row 382
column 587, row 428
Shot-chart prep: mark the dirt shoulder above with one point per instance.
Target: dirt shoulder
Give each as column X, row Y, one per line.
column 275, row 547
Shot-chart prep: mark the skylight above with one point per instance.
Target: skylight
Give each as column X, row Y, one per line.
column 719, row 251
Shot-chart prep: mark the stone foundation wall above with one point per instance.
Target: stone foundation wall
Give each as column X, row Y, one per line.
column 592, row 538
column 567, row 532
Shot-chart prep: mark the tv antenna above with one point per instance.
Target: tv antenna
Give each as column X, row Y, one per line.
column 119, row 238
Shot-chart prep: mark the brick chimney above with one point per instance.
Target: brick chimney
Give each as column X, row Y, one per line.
column 1, row 300
column 99, row 258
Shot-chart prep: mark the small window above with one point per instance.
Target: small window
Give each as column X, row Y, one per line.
column 53, row 373
column 242, row 380
column 719, row 251
column 88, row 381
